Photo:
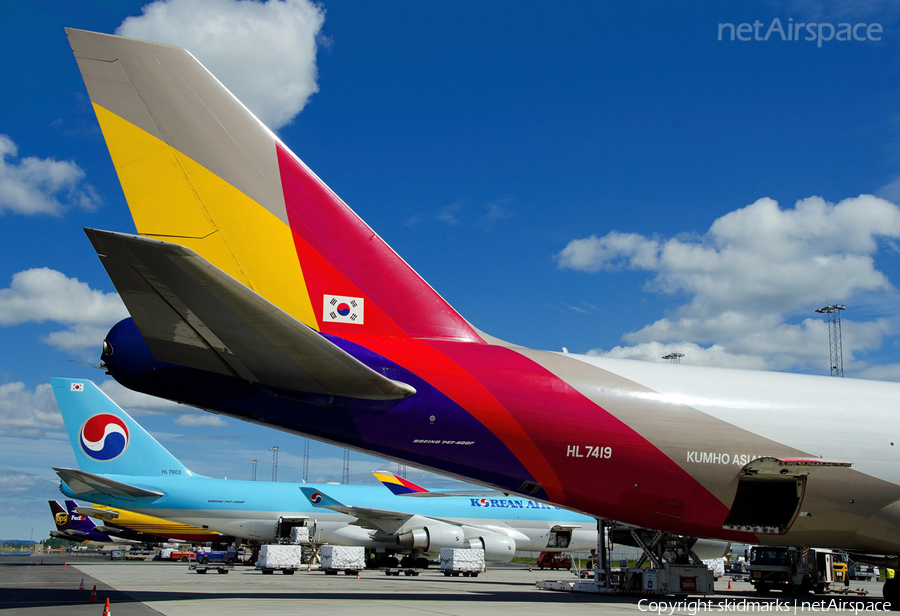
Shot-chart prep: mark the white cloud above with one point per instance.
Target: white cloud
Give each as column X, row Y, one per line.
column 137, row 404
column 264, row 52
column 201, row 419
column 77, row 338
column 28, row 414
column 749, row 275
column 41, row 185
column 714, row 355
column 887, row 372
column 42, row 294
column 890, row 191
column 15, row 482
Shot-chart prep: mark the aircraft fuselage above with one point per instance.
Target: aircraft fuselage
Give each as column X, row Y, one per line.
column 662, row 446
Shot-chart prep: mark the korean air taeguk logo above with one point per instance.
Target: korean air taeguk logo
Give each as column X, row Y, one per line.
column 103, row 437
column 315, row 498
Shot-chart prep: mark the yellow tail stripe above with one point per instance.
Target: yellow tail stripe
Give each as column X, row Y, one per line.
column 175, row 199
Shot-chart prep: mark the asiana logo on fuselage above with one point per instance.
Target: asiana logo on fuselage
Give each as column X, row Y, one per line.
column 509, row 503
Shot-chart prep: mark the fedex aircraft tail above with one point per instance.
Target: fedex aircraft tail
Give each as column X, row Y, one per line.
column 198, row 169
column 77, row 520
column 105, row 438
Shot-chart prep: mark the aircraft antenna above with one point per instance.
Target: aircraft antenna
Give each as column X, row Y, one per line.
column 345, row 476
column 253, row 470
column 274, row 451
column 835, row 346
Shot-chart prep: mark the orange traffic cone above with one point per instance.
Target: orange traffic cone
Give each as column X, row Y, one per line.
column 106, row 611
column 82, row 585
column 65, row 564
column 93, row 598
column 729, row 584
column 357, row 575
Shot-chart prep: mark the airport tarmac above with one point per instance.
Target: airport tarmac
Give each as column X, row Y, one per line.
column 146, row 588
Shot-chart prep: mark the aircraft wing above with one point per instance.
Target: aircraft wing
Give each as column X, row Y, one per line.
column 319, row 499
column 87, row 483
column 193, row 314
column 388, row 521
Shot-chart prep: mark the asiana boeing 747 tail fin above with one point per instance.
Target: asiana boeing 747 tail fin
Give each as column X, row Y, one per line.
column 257, row 293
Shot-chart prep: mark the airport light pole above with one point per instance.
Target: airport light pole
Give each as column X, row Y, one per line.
column 274, row 451
column 306, row 461
column 835, row 346
column 345, row 475
column 253, row 470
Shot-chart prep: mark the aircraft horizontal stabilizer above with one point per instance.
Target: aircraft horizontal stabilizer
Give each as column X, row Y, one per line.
column 60, row 535
column 103, row 514
column 83, row 483
column 193, row 314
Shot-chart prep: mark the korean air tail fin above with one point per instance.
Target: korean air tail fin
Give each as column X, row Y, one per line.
column 398, row 485
column 198, row 169
column 106, row 440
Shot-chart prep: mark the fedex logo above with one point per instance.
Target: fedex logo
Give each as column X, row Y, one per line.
column 507, row 503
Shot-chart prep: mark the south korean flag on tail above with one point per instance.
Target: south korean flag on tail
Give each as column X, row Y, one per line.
column 343, row 309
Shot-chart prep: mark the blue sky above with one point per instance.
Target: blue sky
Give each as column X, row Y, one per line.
column 606, row 177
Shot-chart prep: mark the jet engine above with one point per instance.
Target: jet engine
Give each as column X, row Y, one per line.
column 433, row 537
column 496, row 547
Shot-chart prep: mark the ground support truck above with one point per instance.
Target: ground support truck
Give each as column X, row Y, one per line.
column 796, row 570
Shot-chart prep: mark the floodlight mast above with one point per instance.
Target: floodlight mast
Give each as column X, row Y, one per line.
column 675, row 358
column 835, row 346
column 306, row 461
column 274, row 451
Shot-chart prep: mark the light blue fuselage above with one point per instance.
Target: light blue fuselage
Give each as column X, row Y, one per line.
column 251, row 510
